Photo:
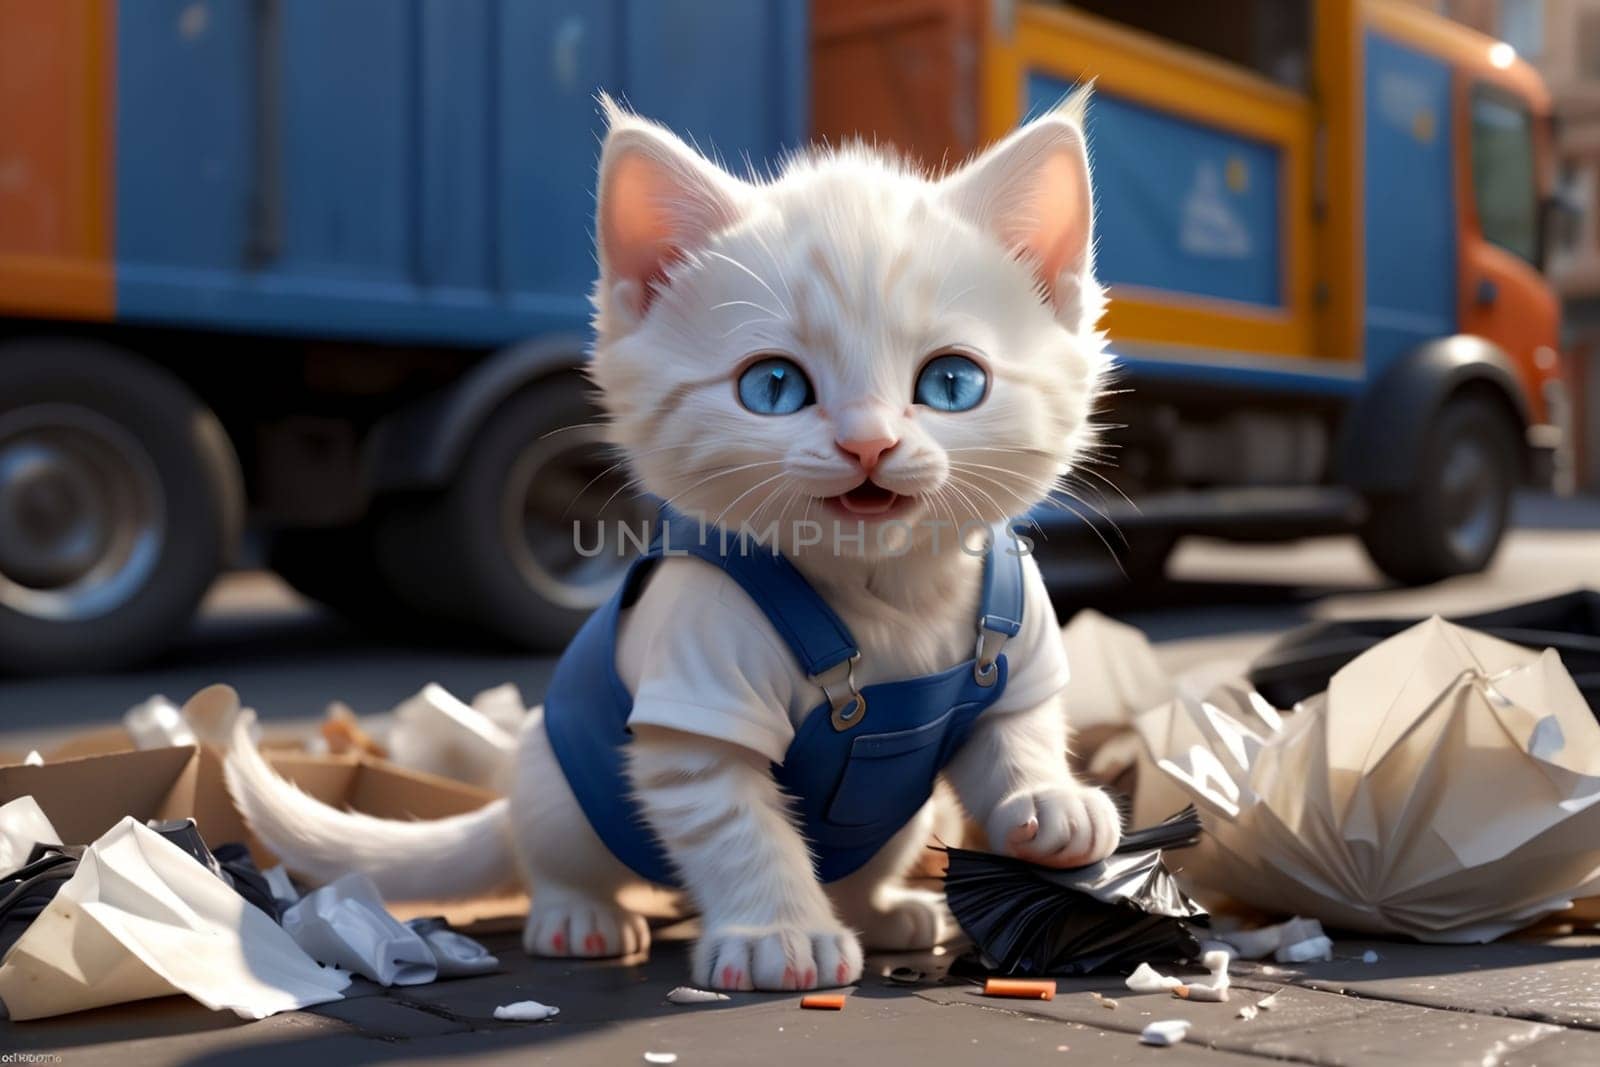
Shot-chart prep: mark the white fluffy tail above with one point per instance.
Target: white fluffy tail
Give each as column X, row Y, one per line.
column 433, row 859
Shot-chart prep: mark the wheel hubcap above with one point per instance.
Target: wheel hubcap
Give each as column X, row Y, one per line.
column 1471, row 493
column 563, row 490
column 80, row 513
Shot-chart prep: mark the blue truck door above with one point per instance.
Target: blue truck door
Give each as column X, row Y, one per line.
column 1410, row 202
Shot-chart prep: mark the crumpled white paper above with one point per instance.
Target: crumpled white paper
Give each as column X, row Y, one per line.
column 1446, row 786
column 455, row 955
column 437, row 733
column 23, row 824
column 157, row 723
column 140, row 918
column 345, row 924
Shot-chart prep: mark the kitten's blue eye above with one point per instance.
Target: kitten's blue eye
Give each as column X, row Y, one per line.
column 951, row 383
column 774, row 386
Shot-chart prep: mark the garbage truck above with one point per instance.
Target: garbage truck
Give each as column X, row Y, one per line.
column 313, row 274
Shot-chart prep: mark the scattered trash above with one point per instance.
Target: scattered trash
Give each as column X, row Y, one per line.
column 437, row 733
column 1393, row 831
column 1248, row 1012
column 23, row 824
column 33, row 758
column 1370, row 956
column 1268, row 1003
column 661, row 1057
column 1201, row 991
column 96, row 943
column 345, row 924
column 907, row 976
column 1020, row 988
column 689, row 995
column 1105, row 1001
column 157, row 723
column 1146, row 979
column 526, row 1011
column 1164, row 1032
column 454, row 955
column 1031, row 921
column 1216, row 961
column 823, row 1001
column 1312, row 948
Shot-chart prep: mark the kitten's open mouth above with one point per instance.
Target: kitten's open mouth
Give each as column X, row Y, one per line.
column 868, row 500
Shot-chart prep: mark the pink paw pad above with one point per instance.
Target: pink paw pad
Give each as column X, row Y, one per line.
column 558, row 942
column 842, row 975
column 788, row 978
column 732, row 978
column 810, row 980
column 594, row 944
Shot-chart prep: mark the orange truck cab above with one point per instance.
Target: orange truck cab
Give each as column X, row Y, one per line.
column 1321, row 224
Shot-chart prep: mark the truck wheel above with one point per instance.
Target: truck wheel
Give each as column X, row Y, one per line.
column 1452, row 520
column 496, row 550
column 120, row 499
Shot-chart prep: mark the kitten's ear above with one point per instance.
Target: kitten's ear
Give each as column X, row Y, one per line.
column 658, row 200
column 1032, row 192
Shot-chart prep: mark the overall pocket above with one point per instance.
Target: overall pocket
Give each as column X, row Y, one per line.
column 886, row 779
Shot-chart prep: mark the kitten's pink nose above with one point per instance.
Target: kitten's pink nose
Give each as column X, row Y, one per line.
column 868, row 451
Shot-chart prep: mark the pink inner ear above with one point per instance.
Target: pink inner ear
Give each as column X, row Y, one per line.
column 1055, row 233
column 640, row 232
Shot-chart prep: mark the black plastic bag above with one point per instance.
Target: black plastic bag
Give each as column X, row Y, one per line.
column 1301, row 662
column 1035, row 921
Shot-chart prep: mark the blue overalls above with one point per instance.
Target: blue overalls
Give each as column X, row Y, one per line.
column 862, row 763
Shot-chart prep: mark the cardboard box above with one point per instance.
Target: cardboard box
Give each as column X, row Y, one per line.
column 86, row 796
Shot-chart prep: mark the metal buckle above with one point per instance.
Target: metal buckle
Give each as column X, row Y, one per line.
column 838, row 683
column 984, row 666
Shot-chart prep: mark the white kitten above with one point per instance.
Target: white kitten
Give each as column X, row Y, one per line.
column 856, row 272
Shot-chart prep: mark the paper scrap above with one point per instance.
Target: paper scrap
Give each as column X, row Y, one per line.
column 1365, row 807
column 1314, row 948
column 1105, row 1002
column 23, row 824
column 689, row 995
column 1146, row 979
column 526, row 1011
column 140, row 918
column 345, row 924
column 1248, row 1012
column 1164, row 1032
column 661, row 1057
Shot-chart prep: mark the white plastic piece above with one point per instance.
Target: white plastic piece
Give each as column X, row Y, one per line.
column 1213, row 994
column 1248, row 1012
column 526, row 1011
column 689, row 995
column 23, row 824
column 661, row 1057
column 1217, row 962
column 456, row 955
column 1146, row 979
column 1314, row 948
column 435, row 732
column 345, row 924
column 140, row 918
column 157, row 723
column 281, row 885
column 1268, row 1003
column 34, row 758
column 1164, row 1032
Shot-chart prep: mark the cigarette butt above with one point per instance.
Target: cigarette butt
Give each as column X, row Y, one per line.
column 1024, row 988
column 823, row 1001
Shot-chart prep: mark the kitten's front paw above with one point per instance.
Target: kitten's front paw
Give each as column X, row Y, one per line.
column 1057, row 826
column 561, row 925
column 776, row 958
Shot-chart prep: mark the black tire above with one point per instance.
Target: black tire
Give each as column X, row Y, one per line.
column 494, row 552
column 120, row 500
column 1452, row 521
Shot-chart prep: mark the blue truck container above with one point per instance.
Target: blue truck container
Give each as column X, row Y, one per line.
column 328, row 273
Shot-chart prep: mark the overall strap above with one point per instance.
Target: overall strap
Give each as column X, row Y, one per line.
column 818, row 638
column 1000, row 613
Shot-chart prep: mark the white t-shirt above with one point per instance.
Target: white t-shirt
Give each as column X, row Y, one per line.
column 700, row 657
